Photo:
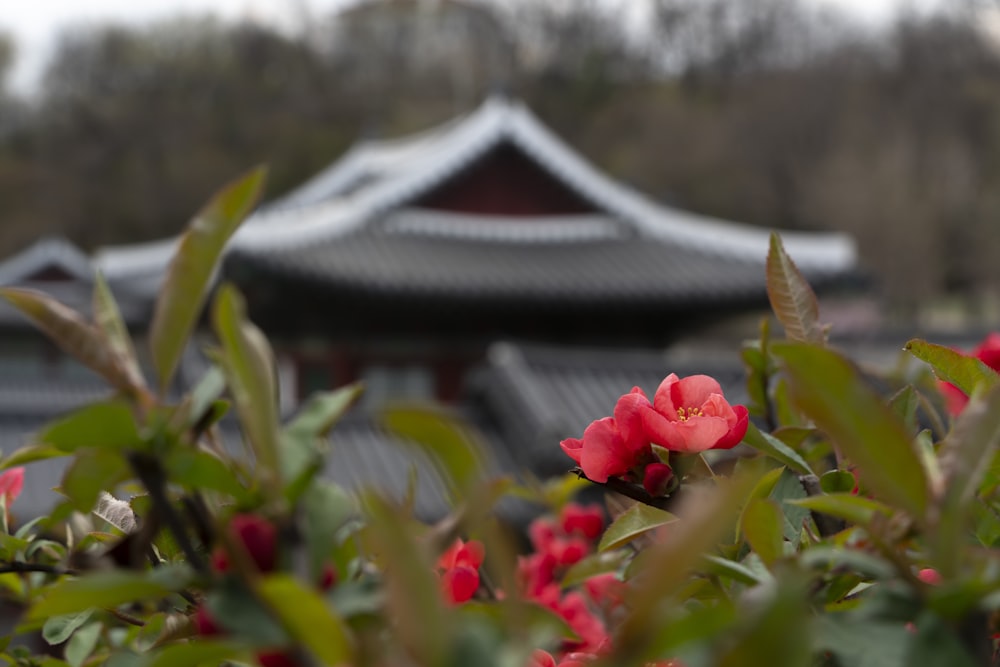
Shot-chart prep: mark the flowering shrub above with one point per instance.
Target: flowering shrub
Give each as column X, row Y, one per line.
column 843, row 528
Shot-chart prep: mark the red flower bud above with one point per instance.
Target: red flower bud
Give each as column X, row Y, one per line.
column 328, row 578
column 204, row 624
column 276, row 659
column 257, row 535
column 656, row 478
column 929, row 575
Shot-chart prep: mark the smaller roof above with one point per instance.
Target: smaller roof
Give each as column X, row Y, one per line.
column 44, row 256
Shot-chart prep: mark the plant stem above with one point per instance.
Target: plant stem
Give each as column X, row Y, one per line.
column 630, row 490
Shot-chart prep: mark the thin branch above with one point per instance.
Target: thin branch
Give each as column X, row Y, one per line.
column 630, row 490
column 127, row 618
column 19, row 567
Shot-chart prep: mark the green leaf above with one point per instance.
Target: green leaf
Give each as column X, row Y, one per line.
column 59, row 628
column 835, row 558
column 762, row 526
column 829, row 390
column 789, row 487
column 326, row 508
column 776, row 631
column 198, row 652
column 243, row 614
column 32, row 453
column 723, row 567
column 705, row 517
column 72, row 334
column 111, row 326
column 106, row 590
column 450, row 445
column 935, row 643
column 413, row 595
column 90, row 473
column 202, row 399
column 905, row 404
column 190, row 273
column 592, row 565
column 854, row 509
column 109, row 425
column 199, row 470
column 963, row 371
column 792, row 299
column 308, row 618
column 323, row 410
column 862, row 642
column 249, row 365
column 965, row 457
column 633, row 522
column 776, row 449
column 82, row 644
column 837, row 481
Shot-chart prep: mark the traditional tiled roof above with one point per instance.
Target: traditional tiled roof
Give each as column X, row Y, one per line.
column 46, row 254
column 377, row 177
column 357, row 228
column 72, row 285
column 365, row 206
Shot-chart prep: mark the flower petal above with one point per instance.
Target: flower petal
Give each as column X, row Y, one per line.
column 661, row 430
column 737, row 431
column 694, row 390
column 629, row 421
column 701, row 433
column 663, row 399
column 604, row 453
column 573, row 448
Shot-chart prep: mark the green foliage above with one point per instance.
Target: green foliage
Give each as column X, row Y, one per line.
column 786, row 558
column 189, row 276
column 792, row 298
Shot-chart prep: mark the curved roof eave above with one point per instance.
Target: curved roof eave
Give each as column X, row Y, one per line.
column 404, row 169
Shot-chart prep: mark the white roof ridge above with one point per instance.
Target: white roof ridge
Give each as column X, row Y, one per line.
column 48, row 251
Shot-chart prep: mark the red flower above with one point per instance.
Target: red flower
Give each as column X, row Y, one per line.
column 612, row 446
column 690, row 415
column 459, row 566
column 258, row 536
column 987, row 352
column 586, row 521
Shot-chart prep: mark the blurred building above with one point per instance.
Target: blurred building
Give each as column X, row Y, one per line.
column 483, row 263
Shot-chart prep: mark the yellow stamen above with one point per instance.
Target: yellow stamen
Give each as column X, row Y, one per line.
column 686, row 413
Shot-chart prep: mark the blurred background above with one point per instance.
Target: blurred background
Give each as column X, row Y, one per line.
column 878, row 121
column 875, row 118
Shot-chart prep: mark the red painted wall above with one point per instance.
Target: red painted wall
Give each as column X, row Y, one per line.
column 505, row 182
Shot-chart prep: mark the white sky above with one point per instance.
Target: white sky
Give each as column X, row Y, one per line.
column 34, row 24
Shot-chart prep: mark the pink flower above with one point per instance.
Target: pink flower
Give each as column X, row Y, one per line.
column 987, row 352
column 11, row 485
column 930, row 576
column 612, row 446
column 690, row 415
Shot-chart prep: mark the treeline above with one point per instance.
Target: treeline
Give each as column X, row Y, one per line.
column 766, row 112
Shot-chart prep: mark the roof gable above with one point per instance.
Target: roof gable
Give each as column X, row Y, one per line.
column 376, row 178
column 48, row 260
